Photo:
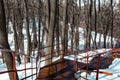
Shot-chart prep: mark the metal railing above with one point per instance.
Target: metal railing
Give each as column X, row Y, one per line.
column 15, row 70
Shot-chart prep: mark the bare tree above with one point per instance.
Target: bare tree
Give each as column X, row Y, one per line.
column 29, row 47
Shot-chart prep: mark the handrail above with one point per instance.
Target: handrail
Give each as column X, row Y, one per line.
column 98, row 62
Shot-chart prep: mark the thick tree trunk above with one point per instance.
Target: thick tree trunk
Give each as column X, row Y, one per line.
column 50, row 30
column 63, row 28
column 50, row 36
column 4, row 41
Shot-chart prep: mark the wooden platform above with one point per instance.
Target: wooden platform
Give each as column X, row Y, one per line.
column 65, row 69
column 59, row 70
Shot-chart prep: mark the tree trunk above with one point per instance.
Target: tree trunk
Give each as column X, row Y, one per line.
column 4, row 41
column 63, row 28
column 50, row 36
column 15, row 23
column 20, row 27
column 21, row 38
column 34, row 41
column 112, row 28
column 95, row 27
column 104, row 41
column 50, row 30
column 39, row 28
column 16, row 42
column 29, row 49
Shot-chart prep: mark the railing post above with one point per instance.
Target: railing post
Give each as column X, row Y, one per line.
column 76, row 65
column 98, row 66
column 36, row 68
column 14, row 66
column 31, row 69
column 25, row 65
column 87, row 63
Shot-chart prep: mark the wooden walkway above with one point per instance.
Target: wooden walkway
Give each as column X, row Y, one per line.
column 59, row 70
column 65, row 69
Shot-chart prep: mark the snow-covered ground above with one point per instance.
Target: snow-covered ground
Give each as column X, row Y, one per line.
column 21, row 74
column 114, row 68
